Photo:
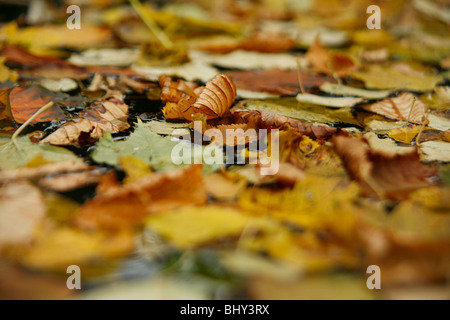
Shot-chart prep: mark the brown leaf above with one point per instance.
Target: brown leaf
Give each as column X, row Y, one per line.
column 26, row 101
column 117, row 206
column 109, row 115
column 185, row 99
column 268, row 42
column 400, row 108
column 329, row 63
column 387, row 175
column 42, row 66
column 276, row 81
column 263, row 119
column 5, row 107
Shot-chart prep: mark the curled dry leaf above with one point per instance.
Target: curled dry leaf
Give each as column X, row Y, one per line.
column 184, row 99
column 387, row 175
column 117, row 206
column 109, row 115
column 332, row 64
column 405, row 107
column 269, row 120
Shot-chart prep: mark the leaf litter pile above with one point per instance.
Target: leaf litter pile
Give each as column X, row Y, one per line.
column 361, row 120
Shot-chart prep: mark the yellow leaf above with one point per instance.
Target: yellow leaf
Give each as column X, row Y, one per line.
column 404, row 134
column 386, row 77
column 134, row 168
column 194, row 226
column 60, row 248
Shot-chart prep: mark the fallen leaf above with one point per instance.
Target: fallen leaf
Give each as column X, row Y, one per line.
column 223, row 186
column 26, row 101
column 404, row 107
column 405, row 134
column 42, row 66
column 275, row 81
column 149, row 147
column 305, row 112
column 384, row 77
column 115, row 207
column 267, row 42
column 55, row 250
column 185, row 99
column 382, row 174
column 246, row 60
column 20, row 215
column 18, row 154
column 272, row 120
column 106, row 57
column 329, row 63
column 341, row 89
column 435, row 151
column 185, row 228
column 333, row 102
column 109, row 115
column 5, row 73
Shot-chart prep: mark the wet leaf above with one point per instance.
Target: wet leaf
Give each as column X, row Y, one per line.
column 109, row 115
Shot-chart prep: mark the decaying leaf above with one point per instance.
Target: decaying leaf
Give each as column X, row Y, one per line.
column 405, row 107
column 276, row 81
column 275, row 121
column 378, row 173
column 109, row 115
column 323, row 61
column 435, row 151
column 185, row 100
column 115, row 207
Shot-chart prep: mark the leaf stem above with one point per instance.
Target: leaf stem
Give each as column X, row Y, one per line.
column 151, row 24
column 34, row 116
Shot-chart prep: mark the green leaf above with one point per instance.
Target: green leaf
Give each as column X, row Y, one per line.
column 306, row 112
column 20, row 153
column 144, row 144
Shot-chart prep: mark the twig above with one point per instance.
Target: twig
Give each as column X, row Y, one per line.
column 34, row 116
column 300, row 82
column 151, row 24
